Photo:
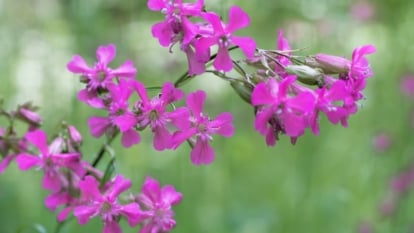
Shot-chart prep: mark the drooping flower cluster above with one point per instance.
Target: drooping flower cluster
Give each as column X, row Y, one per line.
column 285, row 101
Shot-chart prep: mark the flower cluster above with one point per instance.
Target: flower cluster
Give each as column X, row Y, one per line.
column 77, row 187
column 286, row 91
column 190, row 122
column 198, row 36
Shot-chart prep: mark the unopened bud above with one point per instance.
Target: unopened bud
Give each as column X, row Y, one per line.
column 29, row 116
column 244, row 90
column 74, row 134
column 332, row 64
column 306, row 74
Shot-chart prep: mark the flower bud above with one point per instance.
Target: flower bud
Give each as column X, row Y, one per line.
column 29, row 116
column 243, row 90
column 306, row 74
column 74, row 135
column 332, row 64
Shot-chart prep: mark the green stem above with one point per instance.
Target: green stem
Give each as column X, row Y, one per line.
column 103, row 150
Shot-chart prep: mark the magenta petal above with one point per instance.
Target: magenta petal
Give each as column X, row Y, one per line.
column 111, row 226
column 202, row 48
column 130, row 138
column 125, row 122
column 195, row 102
column 282, row 42
column 120, row 185
column 151, row 189
column 304, row 102
column 170, row 94
column 56, row 199
column 156, row 5
column 170, row 196
column 237, row 19
column 27, row 161
column 162, row 139
column 142, row 92
column 84, row 213
column 261, row 95
column 126, row 70
column 162, row 31
column 180, row 118
column 39, row 139
column 90, row 98
column 89, row 187
column 78, row 65
column 294, row 125
column 133, row 214
column 98, row 125
column 246, row 44
column 215, row 21
column 63, row 214
column 195, row 65
column 223, row 60
column 261, row 120
column 223, row 124
column 106, row 54
column 202, row 153
column 181, row 136
column 51, row 181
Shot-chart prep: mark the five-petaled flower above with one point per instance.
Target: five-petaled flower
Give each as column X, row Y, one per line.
column 106, row 204
column 156, row 203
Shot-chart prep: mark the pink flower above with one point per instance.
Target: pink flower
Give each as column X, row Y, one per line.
column 176, row 27
column 224, row 38
column 153, row 113
column 202, row 127
column 105, row 204
column 120, row 115
column 49, row 161
column 278, row 112
column 327, row 102
column 99, row 77
column 360, row 68
column 157, row 204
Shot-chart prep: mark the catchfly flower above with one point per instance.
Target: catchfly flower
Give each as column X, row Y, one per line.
column 200, row 126
column 156, row 203
column 106, row 204
column 98, row 77
column 51, row 162
column 223, row 36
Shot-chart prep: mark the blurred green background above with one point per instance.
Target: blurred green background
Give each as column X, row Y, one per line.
column 334, row 182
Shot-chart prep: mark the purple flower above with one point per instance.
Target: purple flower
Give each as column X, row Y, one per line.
column 157, row 203
column 99, row 77
column 49, row 161
column 202, row 127
column 279, row 112
column 105, row 204
column 224, row 38
column 153, row 113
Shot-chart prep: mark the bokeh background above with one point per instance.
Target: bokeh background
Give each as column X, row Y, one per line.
column 336, row 182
